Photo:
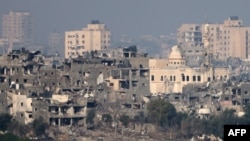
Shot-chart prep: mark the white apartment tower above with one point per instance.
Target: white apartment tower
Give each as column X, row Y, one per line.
column 96, row 36
column 189, row 35
column 17, row 27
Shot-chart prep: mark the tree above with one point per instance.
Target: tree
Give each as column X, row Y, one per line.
column 215, row 124
column 246, row 117
column 5, row 121
column 18, row 128
column 161, row 112
column 39, row 126
column 11, row 137
column 178, row 118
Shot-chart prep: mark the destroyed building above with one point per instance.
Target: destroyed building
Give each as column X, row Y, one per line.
column 63, row 93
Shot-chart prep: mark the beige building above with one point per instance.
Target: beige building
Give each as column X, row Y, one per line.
column 223, row 40
column 229, row 39
column 96, row 36
column 21, row 108
column 170, row 75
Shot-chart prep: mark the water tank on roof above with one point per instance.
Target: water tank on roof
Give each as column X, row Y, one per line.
column 204, row 111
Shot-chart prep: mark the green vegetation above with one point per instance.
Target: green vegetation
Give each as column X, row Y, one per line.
column 164, row 115
column 11, row 137
column 39, row 126
column 5, row 121
column 161, row 113
column 16, row 130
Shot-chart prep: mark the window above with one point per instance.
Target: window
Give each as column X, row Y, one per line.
column 194, row 78
column 161, row 78
column 152, row 77
column 187, row 78
column 174, row 78
column 183, row 77
column 199, row 78
column 21, row 104
column 171, row 78
column 208, row 79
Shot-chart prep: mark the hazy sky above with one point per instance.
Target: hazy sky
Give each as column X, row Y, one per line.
column 130, row 17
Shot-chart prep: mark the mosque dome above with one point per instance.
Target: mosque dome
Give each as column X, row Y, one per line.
column 175, row 53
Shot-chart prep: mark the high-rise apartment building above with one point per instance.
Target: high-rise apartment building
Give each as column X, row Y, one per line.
column 228, row 39
column 56, row 43
column 190, row 35
column 96, row 36
column 17, row 27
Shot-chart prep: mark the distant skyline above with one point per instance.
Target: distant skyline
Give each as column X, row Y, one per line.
column 128, row 17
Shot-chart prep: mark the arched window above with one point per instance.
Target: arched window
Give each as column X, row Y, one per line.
column 152, row 77
column 183, row 77
column 162, row 78
column 199, row 78
column 194, row 78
